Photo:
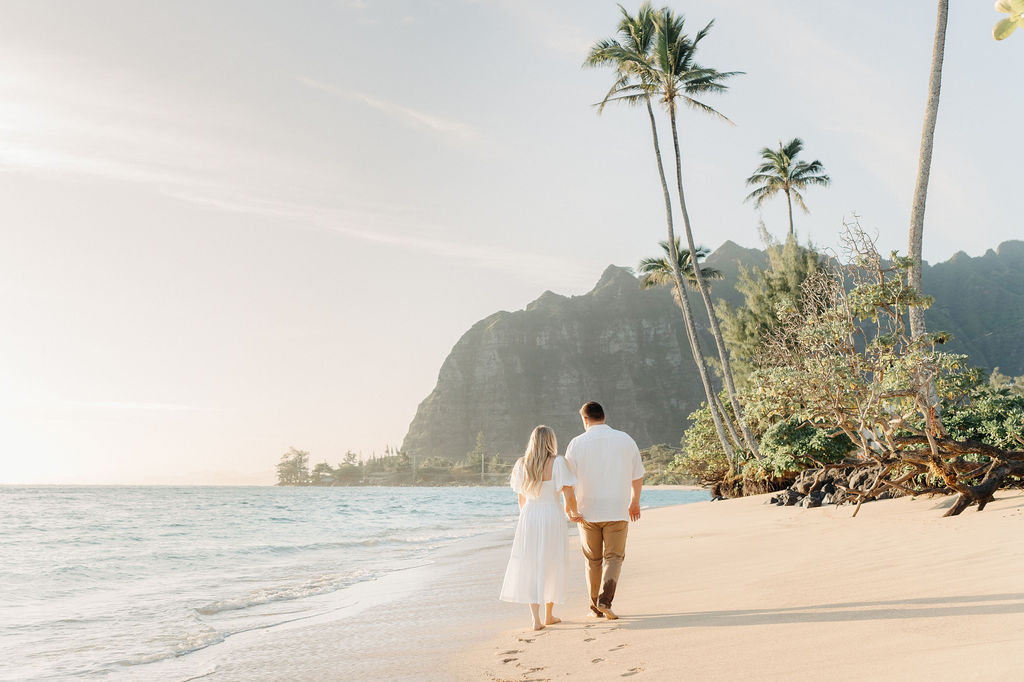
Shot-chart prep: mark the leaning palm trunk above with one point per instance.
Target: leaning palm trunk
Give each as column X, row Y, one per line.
column 728, row 422
column 683, row 301
column 716, row 330
column 924, row 164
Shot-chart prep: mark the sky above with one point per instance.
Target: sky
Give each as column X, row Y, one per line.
column 234, row 227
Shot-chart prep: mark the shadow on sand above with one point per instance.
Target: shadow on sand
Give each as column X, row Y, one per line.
column 926, row 607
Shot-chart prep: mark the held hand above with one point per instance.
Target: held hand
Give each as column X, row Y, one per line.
column 634, row 511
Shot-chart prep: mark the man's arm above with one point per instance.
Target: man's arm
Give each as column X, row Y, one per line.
column 638, row 482
column 634, row 503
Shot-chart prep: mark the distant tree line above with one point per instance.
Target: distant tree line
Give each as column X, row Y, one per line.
column 396, row 468
column 478, row 467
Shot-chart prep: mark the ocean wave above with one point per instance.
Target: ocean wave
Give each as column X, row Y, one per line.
column 192, row 642
column 309, row 588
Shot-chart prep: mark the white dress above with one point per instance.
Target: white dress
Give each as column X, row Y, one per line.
column 536, row 572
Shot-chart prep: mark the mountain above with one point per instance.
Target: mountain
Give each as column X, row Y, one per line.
column 981, row 301
column 626, row 348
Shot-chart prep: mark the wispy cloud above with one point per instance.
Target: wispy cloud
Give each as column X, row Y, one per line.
column 413, row 118
column 159, row 147
column 548, row 28
column 134, row 407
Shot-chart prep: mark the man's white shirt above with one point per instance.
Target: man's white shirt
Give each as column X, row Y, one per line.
column 606, row 462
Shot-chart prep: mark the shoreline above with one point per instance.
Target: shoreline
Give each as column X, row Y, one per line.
column 737, row 589
column 402, row 626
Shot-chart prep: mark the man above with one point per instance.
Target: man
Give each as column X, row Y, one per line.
column 609, row 474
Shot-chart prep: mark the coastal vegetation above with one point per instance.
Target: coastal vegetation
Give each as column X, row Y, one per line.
column 478, row 467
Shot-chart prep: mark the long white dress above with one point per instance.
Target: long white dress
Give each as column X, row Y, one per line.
column 536, row 572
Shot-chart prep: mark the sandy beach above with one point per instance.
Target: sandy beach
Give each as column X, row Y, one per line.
column 710, row 591
column 740, row 590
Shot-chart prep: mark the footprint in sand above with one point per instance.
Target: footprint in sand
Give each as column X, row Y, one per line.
column 616, row 648
column 589, row 639
column 524, row 639
column 510, row 651
column 509, row 660
column 632, row 671
column 597, row 660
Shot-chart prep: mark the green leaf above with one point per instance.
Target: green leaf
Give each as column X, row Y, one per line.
column 1003, row 29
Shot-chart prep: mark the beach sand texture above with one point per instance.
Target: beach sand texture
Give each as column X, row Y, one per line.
column 739, row 590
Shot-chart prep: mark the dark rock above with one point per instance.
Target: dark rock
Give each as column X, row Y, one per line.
column 790, row 497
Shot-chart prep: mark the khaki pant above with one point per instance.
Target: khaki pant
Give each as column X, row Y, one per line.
column 604, row 546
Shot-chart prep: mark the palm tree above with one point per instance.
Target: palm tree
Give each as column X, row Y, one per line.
column 634, row 84
column 656, row 272
column 924, row 166
column 680, row 79
column 781, row 172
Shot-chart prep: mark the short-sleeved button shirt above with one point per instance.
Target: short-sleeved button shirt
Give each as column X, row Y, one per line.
column 606, row 462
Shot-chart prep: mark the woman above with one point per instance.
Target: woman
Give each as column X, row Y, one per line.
column 536, row 569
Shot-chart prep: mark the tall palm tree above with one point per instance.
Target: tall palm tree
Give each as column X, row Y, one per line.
column 781, row 172
column 924, row 165
column 680, row 80
column 630, row 55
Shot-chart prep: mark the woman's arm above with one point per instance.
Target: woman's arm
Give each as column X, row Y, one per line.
column 569, row 494
column 522, row 501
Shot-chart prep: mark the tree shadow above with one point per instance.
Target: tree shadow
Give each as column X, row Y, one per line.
column 924, row 607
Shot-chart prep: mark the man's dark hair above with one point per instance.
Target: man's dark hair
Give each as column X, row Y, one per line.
column 593, row 411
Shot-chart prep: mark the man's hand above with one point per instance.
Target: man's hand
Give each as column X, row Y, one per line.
column 634, row 511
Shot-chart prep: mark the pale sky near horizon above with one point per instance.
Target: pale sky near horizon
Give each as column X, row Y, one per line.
column 234, row 227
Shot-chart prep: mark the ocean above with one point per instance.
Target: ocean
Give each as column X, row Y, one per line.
column 119, row 582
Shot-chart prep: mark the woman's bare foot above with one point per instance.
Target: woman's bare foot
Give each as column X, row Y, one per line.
column 538, row 626
column 551, row 620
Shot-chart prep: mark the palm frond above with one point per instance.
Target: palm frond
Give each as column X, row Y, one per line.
column 763, row 193
column 799, row 199
column 700, row 106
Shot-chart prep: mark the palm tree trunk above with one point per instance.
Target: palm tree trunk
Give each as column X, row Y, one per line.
column 789, row 204
column 683, row 301
column 716, row 330
column 728, row 422
column 924, row 165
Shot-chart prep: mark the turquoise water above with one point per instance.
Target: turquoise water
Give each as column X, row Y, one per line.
column 97, row 582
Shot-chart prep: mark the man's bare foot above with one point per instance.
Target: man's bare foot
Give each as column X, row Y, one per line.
column 538, row 626
column 551, row 620
column 596, row 614
column 607, row 612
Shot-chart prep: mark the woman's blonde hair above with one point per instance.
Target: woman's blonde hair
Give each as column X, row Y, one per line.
column 543, row 444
